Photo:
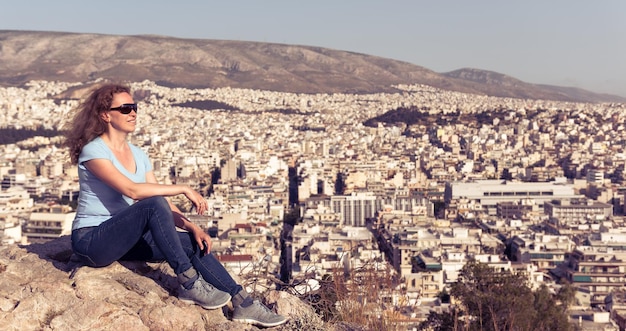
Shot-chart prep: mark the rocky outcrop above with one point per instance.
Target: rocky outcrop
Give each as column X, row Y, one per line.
column 39, row 291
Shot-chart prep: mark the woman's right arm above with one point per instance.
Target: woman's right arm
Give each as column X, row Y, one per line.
column 106, row 172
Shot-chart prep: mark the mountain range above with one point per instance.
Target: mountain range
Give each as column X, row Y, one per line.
column 205, row 63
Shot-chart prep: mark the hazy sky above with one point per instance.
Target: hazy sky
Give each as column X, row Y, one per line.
column 558, row 42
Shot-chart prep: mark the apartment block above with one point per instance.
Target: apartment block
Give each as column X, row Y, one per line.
column 573, row 211
column 597, row 272
column 49, row 223
column 487, row 194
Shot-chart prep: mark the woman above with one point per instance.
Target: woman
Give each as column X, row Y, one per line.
column 123, row 214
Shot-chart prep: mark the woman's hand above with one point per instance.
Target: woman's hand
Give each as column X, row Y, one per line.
column 203, row 239
column 198, row 201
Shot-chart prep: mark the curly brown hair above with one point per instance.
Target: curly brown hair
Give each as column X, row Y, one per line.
column 87, row 123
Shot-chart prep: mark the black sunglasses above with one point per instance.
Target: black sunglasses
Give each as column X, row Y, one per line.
column 126, row 108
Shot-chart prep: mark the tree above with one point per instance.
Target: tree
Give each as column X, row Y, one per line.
column 506, row 174
column 550, row 316
column 340, row 184
column 444, row 321
column 490, row 301
column 566, row 294
column 498, row 301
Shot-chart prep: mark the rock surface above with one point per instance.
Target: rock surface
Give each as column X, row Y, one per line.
column 38, row 291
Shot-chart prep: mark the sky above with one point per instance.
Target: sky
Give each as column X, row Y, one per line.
column 577, row 43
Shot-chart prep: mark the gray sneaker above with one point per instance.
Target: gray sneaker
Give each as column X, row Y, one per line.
column 203, row 294
column 258, row 314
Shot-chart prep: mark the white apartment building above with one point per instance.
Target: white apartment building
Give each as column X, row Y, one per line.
column 357, row 208
column 596, row 271
column 354, row 209
column 542, row 250
column 575, row 211
column 15, row 199
column 487, row 194
column 49, row 224
column 10, row 230
column 10, row 180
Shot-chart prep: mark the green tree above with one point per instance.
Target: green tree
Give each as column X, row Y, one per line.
column 498, row 301
column 444, row 321
column 492, row 301
column 550, row 316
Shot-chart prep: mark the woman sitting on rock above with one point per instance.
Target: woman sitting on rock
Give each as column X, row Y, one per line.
column 123, row 214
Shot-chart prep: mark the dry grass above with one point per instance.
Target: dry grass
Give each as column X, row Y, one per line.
column 352, row 299
column 356, row 299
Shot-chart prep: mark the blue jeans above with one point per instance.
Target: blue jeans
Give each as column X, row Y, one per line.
column 145, row 231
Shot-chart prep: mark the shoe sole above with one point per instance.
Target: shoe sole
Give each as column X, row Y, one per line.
column 207, row 307
column 259, row 323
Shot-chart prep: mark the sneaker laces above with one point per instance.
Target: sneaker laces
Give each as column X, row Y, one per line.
column 208, row 287
column 265, row 308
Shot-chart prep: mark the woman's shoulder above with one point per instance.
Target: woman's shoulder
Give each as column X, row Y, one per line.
column 94, row 149
column 97, row 144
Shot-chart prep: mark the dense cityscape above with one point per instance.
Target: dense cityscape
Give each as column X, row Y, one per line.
column 301, row 185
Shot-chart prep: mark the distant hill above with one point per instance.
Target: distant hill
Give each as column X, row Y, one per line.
column 500, row 85
column 201, row 63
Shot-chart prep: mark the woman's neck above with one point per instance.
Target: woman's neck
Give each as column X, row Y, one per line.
column 115, row 141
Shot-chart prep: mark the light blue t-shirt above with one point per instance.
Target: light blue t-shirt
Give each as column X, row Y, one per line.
column 97, row 201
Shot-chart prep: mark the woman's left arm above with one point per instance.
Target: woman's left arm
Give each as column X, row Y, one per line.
column 202, row 238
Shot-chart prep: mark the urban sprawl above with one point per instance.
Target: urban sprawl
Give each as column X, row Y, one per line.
column 536, row 188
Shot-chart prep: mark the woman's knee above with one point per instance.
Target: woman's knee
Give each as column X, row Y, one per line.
column 158, row 202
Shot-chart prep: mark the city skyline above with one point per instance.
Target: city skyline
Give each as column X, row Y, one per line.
column 557, row 43
column 436, row 192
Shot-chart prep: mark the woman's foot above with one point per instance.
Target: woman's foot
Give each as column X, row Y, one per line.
column 203, row 294
column 257, row 313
